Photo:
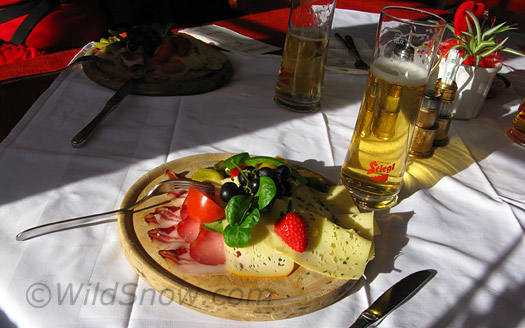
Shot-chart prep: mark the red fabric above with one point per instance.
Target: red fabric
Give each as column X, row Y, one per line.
column 39, row 64
column 71, row 26
column 11, row 52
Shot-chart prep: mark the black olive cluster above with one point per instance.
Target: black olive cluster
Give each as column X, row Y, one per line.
column 144, row 37
column 250, row 184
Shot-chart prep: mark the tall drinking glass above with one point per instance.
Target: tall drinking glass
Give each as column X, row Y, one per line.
column 406, row 45
column 301, row 75
column 517, row 132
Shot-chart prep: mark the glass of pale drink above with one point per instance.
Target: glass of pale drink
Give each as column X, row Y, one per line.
column 517, row 132
column 301, row 75
column 406, row 48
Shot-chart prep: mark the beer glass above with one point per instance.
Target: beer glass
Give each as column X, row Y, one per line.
column 406, row 45
column 301, row 75
column 517, row 132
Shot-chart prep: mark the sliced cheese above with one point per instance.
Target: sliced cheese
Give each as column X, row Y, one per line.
column 332, row 250
column 257, row 259
column 362, row 223
column 338, row 206
column 338, row 200
column 305, row 198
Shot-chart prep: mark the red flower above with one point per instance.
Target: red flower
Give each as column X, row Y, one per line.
column 460, row 18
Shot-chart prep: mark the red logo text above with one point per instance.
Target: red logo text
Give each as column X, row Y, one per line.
column 382, row 170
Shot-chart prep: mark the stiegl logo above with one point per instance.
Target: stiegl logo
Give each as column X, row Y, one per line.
column 383, row 170
column 285, row 76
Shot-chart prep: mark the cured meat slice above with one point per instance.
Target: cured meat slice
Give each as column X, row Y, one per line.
column 188, row 229
column 151, row 218
column 164, row 235
column 208, row 248
column 170, row 213
column 175, row 255
column 172, row 175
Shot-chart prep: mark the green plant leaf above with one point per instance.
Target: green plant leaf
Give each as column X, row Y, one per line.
column 512, row 51
column 235, row 236
column 251, row 220
column 476, row 24
column 470, row 35
column 236, row 160
column 266, row 192
column 490, row 51
column 236, row 209
column 483, row 45
column 215, row 226
column 493, row 31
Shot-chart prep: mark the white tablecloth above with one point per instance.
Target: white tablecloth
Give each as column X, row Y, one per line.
column 462, row 212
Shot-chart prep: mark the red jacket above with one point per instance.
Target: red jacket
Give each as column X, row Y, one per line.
column 70, row 25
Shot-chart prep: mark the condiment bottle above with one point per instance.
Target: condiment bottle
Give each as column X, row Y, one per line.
column 425, row 127
column 445, row 113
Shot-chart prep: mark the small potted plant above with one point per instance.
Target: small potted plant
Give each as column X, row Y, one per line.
column 475, row 38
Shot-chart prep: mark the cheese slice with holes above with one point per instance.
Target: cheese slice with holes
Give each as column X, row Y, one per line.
column 257, row 259
column 362, row 223
column 338, row 200
column 332, row 250
column 336, row 205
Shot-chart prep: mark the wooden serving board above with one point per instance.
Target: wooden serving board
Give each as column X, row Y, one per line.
column 160, row 87
column 226, row 296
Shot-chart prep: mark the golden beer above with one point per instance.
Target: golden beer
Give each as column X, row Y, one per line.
column 517, row 133
column 301, row 74
column 375, row 162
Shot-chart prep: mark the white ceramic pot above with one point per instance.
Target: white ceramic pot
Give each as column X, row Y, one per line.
column 473, row 86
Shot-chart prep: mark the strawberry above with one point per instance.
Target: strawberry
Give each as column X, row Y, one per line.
column 293, row 230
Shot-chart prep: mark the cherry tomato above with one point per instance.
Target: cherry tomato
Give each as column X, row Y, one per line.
column 201, row 207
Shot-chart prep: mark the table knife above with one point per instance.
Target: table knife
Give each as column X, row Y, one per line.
column 80, row 138
column 393, row 298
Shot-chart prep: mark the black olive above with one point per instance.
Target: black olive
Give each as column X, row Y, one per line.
column 228, row 190
column 254, row 185
column 282, row 172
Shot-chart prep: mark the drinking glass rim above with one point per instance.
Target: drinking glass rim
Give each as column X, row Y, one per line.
column 414, row 22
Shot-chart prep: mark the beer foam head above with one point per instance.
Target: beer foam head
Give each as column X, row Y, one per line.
column 399, row 72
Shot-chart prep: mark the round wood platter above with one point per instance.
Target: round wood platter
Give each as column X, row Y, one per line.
column 226, row 296
column 150, row 86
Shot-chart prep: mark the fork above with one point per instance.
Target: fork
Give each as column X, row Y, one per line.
column 160, row 188
column 349, row 43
